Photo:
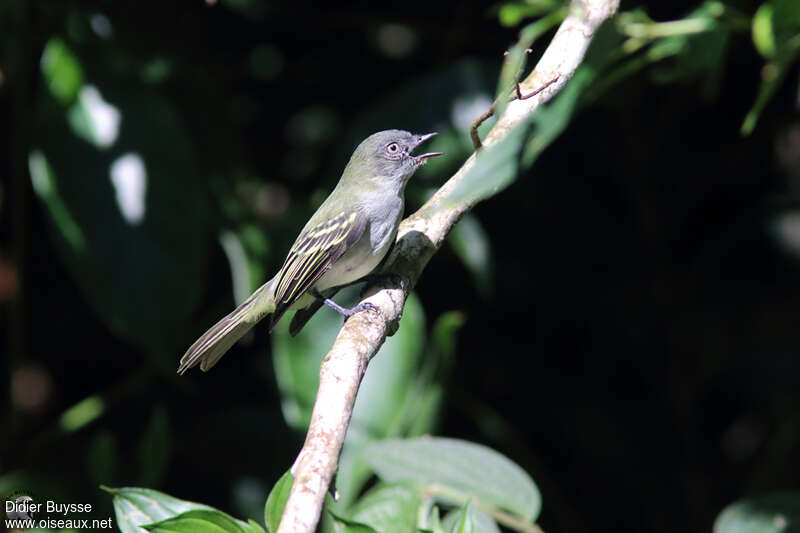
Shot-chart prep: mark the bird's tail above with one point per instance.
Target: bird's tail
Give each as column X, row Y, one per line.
column 210, row 348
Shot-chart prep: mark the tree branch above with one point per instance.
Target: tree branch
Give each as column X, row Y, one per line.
column 419, row 236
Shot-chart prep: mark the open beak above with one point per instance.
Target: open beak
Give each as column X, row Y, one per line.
column 422, row 158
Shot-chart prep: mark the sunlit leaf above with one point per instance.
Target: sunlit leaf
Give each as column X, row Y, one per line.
column 82, row 413
column 460, row 470
column 276, row 501
column 773, row 513
column 62, row 72
column 763, row 32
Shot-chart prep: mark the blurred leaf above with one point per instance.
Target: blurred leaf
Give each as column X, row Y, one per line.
column 763, row 32
column 459, row 469
column 45, row 187
column 82, row 413
column 424, row 401
column 276, row 501
column 389, row 508
column 436, row 522
column 514, row 64
column 481, row 522
column 131, row 227
column 155, row 448
column 551, row 120
column 201, row 521
column 471, row 243
column 776, row 35
column 62, row 72
column 345, row 525
column 512, row 13
column 494, row 169
column 101, row 457
column 773, row 513
column 461, row 521
column 135, row 507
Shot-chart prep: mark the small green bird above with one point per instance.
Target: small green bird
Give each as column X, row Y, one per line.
column 348, row 236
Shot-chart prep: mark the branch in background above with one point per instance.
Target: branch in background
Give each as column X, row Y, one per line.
column 419, row 236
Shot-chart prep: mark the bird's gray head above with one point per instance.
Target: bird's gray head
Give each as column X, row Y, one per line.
column 386, row 157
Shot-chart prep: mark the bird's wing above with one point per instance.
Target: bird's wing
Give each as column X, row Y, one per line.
column 313, row 254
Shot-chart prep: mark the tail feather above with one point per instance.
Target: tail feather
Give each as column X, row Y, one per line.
column 215, row 342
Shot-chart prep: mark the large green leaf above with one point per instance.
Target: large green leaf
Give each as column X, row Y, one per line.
column 773, row 513
column 457, row 471
column 127, row 207
column 389, row 508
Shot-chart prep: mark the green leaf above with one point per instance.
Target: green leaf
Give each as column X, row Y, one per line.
column 345, row 525
column 471, row 244
column 436, row 522
column 776, row 35
column 61, row 70
column 199, row 521
column 763, row 33
column 389, row 508
column 462, row 521
column 255, row 527
column 149, row 197
column 481, row 522
column 155, row 448
column 494, row 169
column 135, row 507
column 772, row 513
column 276, row 501
column 101, row 458
column 458, row 471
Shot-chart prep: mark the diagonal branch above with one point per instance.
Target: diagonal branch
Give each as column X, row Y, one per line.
column 419, row 237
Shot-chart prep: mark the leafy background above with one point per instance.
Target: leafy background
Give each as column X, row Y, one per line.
column 622, row 321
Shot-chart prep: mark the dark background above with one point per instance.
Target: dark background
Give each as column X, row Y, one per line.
column 635, row 349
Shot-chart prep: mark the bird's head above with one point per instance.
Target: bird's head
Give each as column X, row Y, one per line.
column 386, row 157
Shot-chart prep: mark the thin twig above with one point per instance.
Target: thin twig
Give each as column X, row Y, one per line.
column 419, row 236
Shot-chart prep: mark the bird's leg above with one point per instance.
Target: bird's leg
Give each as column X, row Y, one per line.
column 347, row 313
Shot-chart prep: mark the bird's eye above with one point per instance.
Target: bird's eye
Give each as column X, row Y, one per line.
column 392, row 148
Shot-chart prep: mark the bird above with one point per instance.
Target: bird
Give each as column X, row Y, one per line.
column 343, row 242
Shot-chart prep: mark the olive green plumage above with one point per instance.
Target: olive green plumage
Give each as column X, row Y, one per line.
column 345, row 239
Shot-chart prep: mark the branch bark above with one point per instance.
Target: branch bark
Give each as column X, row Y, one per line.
column 419, row 237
